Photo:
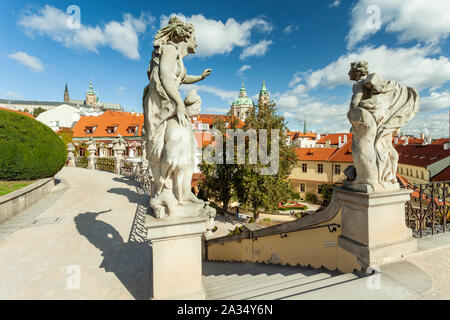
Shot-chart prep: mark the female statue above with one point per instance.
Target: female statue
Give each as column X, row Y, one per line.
column 378, row 108
column 169, row 138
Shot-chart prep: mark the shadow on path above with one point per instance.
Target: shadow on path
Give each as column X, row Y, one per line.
column 133, row 196
column 129, row 261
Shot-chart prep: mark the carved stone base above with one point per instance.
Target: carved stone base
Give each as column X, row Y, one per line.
column 373, row 226
column 176, row 272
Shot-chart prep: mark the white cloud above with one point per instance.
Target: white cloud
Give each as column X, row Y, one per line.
column 391, row 64
column 225, row 95
column 436, row 100
column 14, row 95
column 243, row 68
column 290, row 28
column 435, row 124
column 120, row 90
column 120, row 36
column 32, row 63
column 215, row 37
column 334, row 4
column 256, row 50
column 420, row 20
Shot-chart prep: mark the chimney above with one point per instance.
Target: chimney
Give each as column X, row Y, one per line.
column 339, row 141
column 422, row 136
column 345, row 139
column 318, row 136
column 446, row 145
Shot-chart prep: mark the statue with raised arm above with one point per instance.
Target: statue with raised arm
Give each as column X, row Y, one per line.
column 378, row 108
column 169, row 138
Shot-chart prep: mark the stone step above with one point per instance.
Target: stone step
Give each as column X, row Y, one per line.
column 252, row 286
column 292, row 291
column 276, row 287
column 226, row 286
column 215, row 279
column 230, row 281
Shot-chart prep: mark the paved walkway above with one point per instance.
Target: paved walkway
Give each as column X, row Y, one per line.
column 93, row 251
column 86, row 241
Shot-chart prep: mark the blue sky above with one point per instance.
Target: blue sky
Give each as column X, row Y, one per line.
column 301, row 48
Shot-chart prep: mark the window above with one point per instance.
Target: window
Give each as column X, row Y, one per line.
column 131, row 130
column 302, row 187
column 407, row 171
column 81, row 152
column 139, row 151
column 320, row 168
column 337, row 169
column 203, row 126
column 304, row 167
column 421, row 175
column 89, row 129
column 417, row 173
column 111, row 129
column 401, row 170
column 110, row 152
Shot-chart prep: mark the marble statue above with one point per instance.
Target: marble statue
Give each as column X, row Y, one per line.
column 378, row 108
column 169, row 138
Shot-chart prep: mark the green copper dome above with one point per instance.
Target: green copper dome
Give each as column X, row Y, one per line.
column 242, row 99
column 91, row 89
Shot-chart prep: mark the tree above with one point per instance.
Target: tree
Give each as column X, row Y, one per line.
column 38, row 111
column 326, row 190
column 220, row 179
column 256, row 190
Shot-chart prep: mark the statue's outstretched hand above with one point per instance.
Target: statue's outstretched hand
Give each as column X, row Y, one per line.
column 183, row 118
column 206, row 73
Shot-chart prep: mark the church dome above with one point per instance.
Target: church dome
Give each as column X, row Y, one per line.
column 243, row 99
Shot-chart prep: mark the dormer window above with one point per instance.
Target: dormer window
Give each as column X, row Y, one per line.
column 111, row 129
column 131, row 129
column 89, row 130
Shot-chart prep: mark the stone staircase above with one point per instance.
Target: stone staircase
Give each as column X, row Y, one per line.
column 252, row 281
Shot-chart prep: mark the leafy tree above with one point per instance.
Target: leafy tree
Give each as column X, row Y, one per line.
column 255, row 190
column 220, row 179
column 38, row 111
column 326, row 190
column 311, row 197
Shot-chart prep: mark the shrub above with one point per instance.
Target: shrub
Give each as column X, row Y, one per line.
column 311, row 197
column 29, row 149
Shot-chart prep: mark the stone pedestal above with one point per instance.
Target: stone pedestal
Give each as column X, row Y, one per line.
column 373, row 226
column 176, row 272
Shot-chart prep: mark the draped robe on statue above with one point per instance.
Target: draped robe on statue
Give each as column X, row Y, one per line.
column 158, row 108
column 385, row 107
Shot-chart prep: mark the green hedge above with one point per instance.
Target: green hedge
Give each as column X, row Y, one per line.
column 29, row 150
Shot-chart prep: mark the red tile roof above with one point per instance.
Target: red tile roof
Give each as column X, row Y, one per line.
column 20, row 112
column 343, row 154
column 440, row 141
column 422, row 156
column 334, row 138
column 119, row 119
column 314, row 154
column 444, row 175
column 297, row 134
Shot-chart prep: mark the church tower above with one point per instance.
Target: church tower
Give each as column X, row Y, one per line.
column 242, row 106
column 91, row 96
column 66, row 94
column 264, row 98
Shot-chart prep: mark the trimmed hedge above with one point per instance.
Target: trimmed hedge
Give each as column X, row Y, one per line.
column 29, row 150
